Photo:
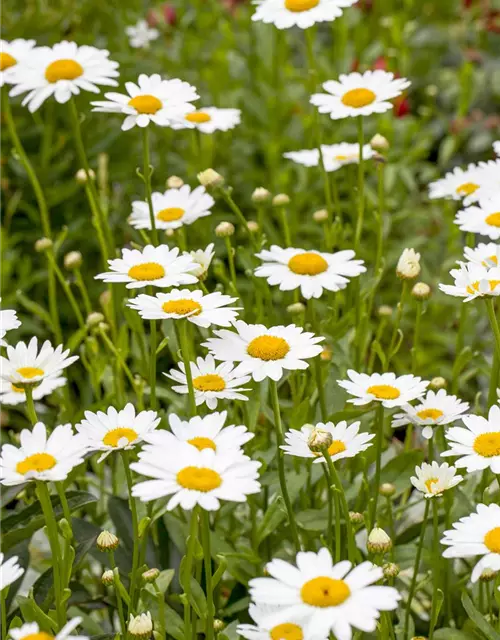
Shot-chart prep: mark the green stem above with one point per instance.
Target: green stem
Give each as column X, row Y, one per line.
column 436, row 562
column 317, row 364
column 118, row 597
column 361, row 187
column 281, row 463
column 189, row 569
column 205, row 536
column 329, row 530
column 490, row 307
column 239, row 214
column 152, row 366
column 161, row 609
column 147, row 183
column 286, row 229
column 3, row 608
column 185, row 351
column 379, row 439
column 351, row 544
column 123, row 365
column 83, row 291
column 230, row 259
column 135, row 527
column 416, row 336
column 416, row 566
column 30, row 405
column 67, row 290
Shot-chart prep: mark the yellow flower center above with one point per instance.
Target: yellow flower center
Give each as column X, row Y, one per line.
column 170, row 214
column 268, row 348
column 471, row 288
column 286, row 631
column 337, row 446
column 325, row 592
column 41, row 635
column 199, row 479
column 198, row 117
column 209, row 382
column 36, row 462
column 358, row 98
column 113, row 437
column 307, row 264
column 17, row 389
column 182, row 307
column 492, row 540
column 428, row 483
column 30, row 372
column 147, row 271
column 493, row 219
column 467, row 188
column 145, row 104
column 300, row 5
column 63, row 70
column 429, row 414
column 487, row 445
column 6, row 61
column 384, row 391
column 489, row 261
column 202, row 443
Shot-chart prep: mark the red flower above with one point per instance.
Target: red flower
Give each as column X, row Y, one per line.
column 401, row 106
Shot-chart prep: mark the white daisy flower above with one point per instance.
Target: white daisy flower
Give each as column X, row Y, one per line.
column 116, row 430
column 335, row 156
column 41, row 458
column 195, row 477
column 25, row 365
column 156, row 266
column 486, row 255
column 10, row 571
column 434, row 479
column 31, row 631
column 172, row 209
column 435, row 409
column 473, row 281
column 203, row 258
column 152, row 99
column 210, row 120
column 483, row 218
column 332, row 597
column 211, row 382
column 62, row 71
column 200, row 309
column 264, row 352
column 347, row 441
column 387, row 388
column 311, row 271
column 8, row 321
column 12, row 395
column 468, row 184
column 206, row 432
column 476, row 535
column 359, row 94
column 496, row 147
column 298, row 13
column 11, row 54
column 141, row 34
column 478, row 442
column 292, row 629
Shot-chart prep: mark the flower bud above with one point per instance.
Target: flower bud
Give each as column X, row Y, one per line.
column 296, row 308
column 107, row 577
column 378, row 541
column 379, row 143
column 390, row 570
column 73, row 260
column 408, row 265
column 174, row 182
column 82, row 177
column 210, row 179
column 488, row 575
column 319, row 440
column 260, row 195
column 438, row 383
column 281, row 200
column 43, row 244
column 320, row 216
column 105, row 298
column 140, row 627
column 94, row 318
column 387, row 489
column 326, row 354
column 170, row 233
column 150, row 575
column 421, row 291
column 224, row 229
column 385, row 311
column 252, row 226
column 218, row 625
column 107, row 541
column 356, row 518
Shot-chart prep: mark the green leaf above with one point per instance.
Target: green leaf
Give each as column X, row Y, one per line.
column 32, row 612
column 313, row 519
column 453, row 634
column 164, row 579
column 478, row 619
column 399, row 469
column 273, row 517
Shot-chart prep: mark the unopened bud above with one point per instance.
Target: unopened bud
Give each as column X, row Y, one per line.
column 261, row 195
column 421, row 291
column 170, row 233
column 408, row 265
column 320, row 216
column 356, row 518
column 319, row 440
column 105, row 298
column 219, row 625
column 82, row 177
column 326, row 354
column 385, row 311
column 488, row 575
column 252, row 226
column 150, row 575
column 174, row 182
column 296, row 308
column 141, row 626
column 378, row 541
column 107, row 541
column 210, row 179
column 390, row 570
column 379, row 143
column 73, row 260
column 438, row 383
column 387, row 489
column 94, row 318
column 107, row 577
column 224, row 229
column 43, row 244
column 281, row 200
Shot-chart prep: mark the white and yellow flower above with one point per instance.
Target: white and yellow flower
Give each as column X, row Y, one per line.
column 434, row 479
column 335, row 156
column 264, row 352
column 10, row 570
column 31, row 631
column 298, row 13
column 486, row 255
column 140, row 35
column 478, row 443
column 332, row 598
column 173, row 208
column 473, row 281
column 157, row 266
column 8, row 321
column 359, row 94
column 201, row 309
column 11, row 54
column 476, row 535
column 293, row 629
column 469, row 184
column 311, row 271
column 194, row 477
column 211, row 382
column 387, row 388
column 152, row 99
column 210, row 120
column 11, row 395
column 437, row 408
column 116, row 430
column 203, row 258
column 347, row 442
column 23, row 363
column 62, row 71
column 483, row 218
column 41, row 458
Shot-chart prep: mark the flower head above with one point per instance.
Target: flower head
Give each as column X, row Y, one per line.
column 469, row 184
column 486, row 255
column 300, row 13
column 141, row 34
column 31, row 631
column 434, row 479
column 203, row 258
column 12, row 54
column 10, row 570
column 210, row 120
column 335, row 156
column 387, row 388
column 293, row 629
column 482, row 218
column 473, row 281
column 408, row 264
column 140, row 627
column 8, row 321
column 10, row 394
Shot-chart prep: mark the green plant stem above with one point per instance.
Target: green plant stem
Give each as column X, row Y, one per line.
column 379, row 439
column 416, row 336
column 351, row 543
column 161, row 609
column 53, row 536
column 83, row 291
column 135, row 527
column 490, row 307
column 436, row 560
column 30, row 405
column 185, row 351
column 285, row 227
column 67, row 290
column 317, row 363
column 397, row 322
column 239, row 214
column 3, row 607
column 205, row 536
column 281, row 463
column 361, row 187
column 147, row 183
column 152, row 366
column 119, row 603
column 329, row 482
column 230, row 259
column 189, row 568
column 124, row 366
column 416, row 567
